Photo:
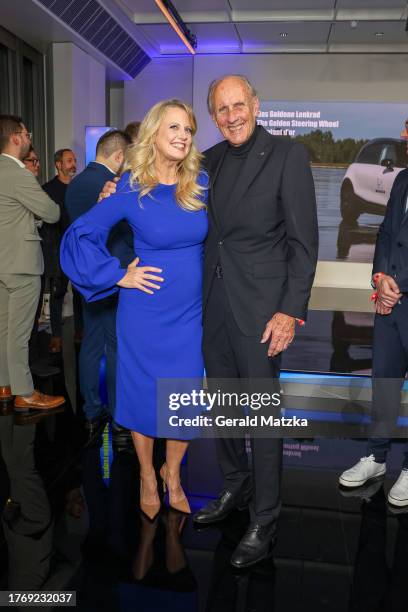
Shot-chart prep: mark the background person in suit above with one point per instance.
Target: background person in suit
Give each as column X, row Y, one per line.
column 51, row 233
column 32, row 162
column 21, row 264
column 390, row 344
column 260, row 261
column 37, row 365
column 99, row 317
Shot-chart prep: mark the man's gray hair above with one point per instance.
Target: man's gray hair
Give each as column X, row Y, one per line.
column 214, row 84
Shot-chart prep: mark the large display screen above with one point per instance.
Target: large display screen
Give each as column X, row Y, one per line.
column 356, row 150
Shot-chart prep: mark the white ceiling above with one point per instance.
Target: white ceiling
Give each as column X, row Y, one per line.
column 230, row 26
column 275, row 26
column 30, row 21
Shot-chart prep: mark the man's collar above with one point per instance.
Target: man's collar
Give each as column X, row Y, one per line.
column 18, row 161
column 102, row 164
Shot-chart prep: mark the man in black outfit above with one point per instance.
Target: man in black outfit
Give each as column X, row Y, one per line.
column 65, row 165
column 260, row 261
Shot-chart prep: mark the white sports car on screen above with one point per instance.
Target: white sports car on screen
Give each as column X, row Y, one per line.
column 368, row 181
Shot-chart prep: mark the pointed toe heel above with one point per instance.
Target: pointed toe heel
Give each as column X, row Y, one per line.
column 181, row 503
column 149, row 509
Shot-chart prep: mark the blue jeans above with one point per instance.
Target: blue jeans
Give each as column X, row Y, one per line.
column 379, row 447
column 99, row 339
column 390, row 364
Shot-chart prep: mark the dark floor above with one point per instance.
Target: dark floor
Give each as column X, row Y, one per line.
column 73, row 523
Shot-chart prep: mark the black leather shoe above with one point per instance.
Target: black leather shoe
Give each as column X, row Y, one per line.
column 30, row 418
column 122, row 439
column 218, row 509
column 256, row 545
column 94, row 429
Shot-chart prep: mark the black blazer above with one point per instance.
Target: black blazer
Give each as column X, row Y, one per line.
column 51, row 233
column 391, row 249
column 268, row 248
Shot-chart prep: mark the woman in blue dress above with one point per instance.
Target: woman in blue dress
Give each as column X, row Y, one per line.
column 163, row 198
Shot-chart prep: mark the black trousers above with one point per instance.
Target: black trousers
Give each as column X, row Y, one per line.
column 230, row 354
column 390, row 365
column 30, row 535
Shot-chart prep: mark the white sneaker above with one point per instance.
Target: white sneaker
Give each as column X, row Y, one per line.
column 364, row 470
column 398, row 495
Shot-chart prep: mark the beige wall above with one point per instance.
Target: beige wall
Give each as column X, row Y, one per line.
column 116, row 104
column 160, row 80
column 79, row 97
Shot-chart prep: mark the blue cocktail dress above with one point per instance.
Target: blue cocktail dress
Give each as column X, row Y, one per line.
column 159, row 335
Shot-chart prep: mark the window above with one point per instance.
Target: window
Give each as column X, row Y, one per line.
column 4, row 80
column 8, row 72
column 396, row 152
column 370, row 154
column 27, row 99
column 21, row 90
column 388, row 152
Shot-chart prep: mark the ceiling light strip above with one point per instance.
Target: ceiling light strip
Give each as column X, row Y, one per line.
column 174, row 25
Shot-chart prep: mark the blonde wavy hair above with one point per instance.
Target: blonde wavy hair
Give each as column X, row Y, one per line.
column 141, row 156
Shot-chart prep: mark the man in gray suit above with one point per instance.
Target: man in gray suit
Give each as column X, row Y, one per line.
column 22, row 201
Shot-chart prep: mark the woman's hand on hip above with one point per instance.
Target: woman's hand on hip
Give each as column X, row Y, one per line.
column 140, row 277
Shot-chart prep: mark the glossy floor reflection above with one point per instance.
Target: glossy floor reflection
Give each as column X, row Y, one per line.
column 66, row 526
column 70, row 520
column 332, row 341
